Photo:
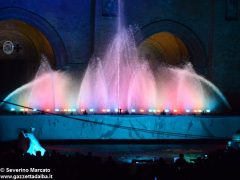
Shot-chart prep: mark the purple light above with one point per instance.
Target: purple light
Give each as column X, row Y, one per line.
column 166, row 110
column 133, row 110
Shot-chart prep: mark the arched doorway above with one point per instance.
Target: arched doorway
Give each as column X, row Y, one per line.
column 21, row 46
column 184, row 37
column 164, row 48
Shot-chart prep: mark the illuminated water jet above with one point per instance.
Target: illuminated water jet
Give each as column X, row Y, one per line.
column 121, row 81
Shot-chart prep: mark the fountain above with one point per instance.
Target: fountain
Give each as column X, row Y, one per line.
column 120, row 82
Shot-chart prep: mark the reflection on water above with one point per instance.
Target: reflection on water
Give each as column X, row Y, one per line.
column 128, row 152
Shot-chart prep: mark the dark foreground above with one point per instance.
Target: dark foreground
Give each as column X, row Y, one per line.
column 217, row 164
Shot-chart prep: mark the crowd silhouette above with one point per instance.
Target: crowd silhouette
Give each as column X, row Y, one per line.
column 216, row 165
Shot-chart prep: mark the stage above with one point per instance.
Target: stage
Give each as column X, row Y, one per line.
column 120, row 127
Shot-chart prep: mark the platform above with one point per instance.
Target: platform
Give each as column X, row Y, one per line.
column 119, row 127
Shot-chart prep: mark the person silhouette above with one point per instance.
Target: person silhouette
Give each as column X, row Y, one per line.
column 180, row 162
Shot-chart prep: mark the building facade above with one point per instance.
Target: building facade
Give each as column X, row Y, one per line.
column 69, row 33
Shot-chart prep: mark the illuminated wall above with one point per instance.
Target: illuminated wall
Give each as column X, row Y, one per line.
column 21, row 64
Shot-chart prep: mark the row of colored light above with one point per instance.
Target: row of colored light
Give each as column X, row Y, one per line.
column 91, row 110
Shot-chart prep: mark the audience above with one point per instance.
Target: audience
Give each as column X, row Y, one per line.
column 217, row 165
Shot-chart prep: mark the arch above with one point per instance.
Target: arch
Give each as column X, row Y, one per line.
column 164, row 47
column 195, row 48
column 41, row 24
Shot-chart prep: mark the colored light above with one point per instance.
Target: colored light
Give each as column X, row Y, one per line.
column 150, row 110
column 175, row 110
column 69, row 110
column 26, row 109
column 166, row 110
column 34, row 145
column 195, row 110
column 108, row 110
column 158, row 110
column 154, row 110
column 103, row 110
column 34, row 109
column 21, row 109
column 57, row 110
column 65, row 110
column 116, row 110
column 199, row 110
column 12, row 109
column 208, row 110
column 133, row 110
column 188, row 110
column 48, row 110
column 91, row 110
column 141, row 110
column 82, row 110
column 74, row 110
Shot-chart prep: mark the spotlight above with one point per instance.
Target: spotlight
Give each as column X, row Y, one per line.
column 133, row 110
column 48, row 110
column 200, row 110
column 21, row 109
column 141, row 110
column 91, row 110
column 103, row 110
column 12, row 109
column 82, row 110
column 154, row 110
column 116, row 110
column 108, row 110
column 208, row 110
column 65, row 110
column 150, row 110
column 74, row 110
column 188, row 110
column 175, row 110
column 69, row 110
column 34, row 109
column 158, row 110
column 166, row 110
column 57, row 110
column 26, row 109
